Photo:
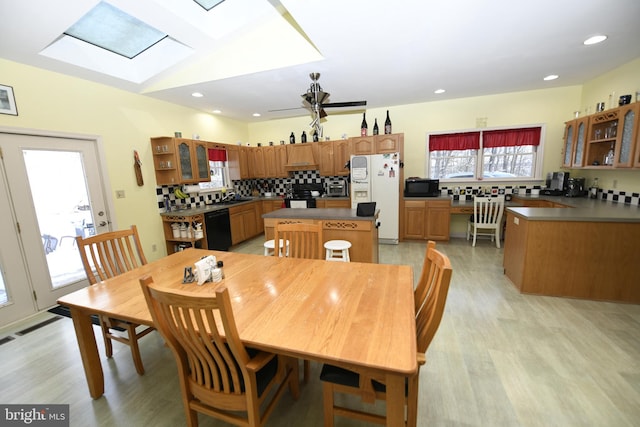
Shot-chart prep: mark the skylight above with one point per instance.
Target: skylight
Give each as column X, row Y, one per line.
column 208, row 4
column 110, row 28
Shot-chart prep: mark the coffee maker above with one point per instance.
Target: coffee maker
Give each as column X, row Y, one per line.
column 576, row 187
column 556, row 183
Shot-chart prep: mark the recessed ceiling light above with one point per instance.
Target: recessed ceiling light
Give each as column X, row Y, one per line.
column 197, row 95
column 217, row 111
column 594, row 40
column 256, row 114
column 439, row 91
column 551, row 77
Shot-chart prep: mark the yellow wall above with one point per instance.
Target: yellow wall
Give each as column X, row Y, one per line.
column 624, row 80
column 53, row 102
column 551, row 107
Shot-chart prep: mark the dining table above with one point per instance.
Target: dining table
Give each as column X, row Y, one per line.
column 353, row 315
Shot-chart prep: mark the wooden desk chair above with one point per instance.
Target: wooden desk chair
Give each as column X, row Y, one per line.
column 108, row 255
column 305, row 240
column 487, row 216
column 219, row 376
column 433, row 288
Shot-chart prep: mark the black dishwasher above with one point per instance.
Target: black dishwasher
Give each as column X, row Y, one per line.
column 218, row 228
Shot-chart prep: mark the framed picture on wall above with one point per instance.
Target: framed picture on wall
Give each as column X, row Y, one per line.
column 7, row 101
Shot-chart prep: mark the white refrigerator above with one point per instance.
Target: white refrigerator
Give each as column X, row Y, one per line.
column 376, row 178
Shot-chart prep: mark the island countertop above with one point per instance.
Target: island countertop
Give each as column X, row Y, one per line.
column 577, row 209
column 320, row 214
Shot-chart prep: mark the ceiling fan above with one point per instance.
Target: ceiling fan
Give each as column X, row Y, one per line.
column 315, row 98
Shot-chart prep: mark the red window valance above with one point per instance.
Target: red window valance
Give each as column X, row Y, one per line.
column 511, row 137
column 455, row 141
column 217, row 155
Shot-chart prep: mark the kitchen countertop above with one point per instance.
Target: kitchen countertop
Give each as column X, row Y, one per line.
column 580, row 209
column 320, row 214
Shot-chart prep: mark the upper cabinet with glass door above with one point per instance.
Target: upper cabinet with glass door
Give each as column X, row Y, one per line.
column 180, row 161
column 609, row 139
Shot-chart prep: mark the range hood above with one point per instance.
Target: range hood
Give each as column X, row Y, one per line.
column 302, row 157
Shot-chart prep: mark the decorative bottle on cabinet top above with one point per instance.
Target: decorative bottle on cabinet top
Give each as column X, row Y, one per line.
column 292, row 138
column 303, row 137
column 363, row 127
column 375, row 127
column 387, row 124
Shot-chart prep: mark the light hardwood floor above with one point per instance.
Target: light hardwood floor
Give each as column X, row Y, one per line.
column 499, row 359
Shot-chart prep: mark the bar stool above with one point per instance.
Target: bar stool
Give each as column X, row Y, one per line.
column 337, row 250
column 269, row 247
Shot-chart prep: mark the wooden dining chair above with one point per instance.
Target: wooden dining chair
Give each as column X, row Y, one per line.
column 305, row 240
column 486, row 219
column 108, row 255
column 219, row 376
column 433, row 289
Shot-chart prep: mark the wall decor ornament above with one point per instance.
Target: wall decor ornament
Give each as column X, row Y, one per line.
column 7, row 101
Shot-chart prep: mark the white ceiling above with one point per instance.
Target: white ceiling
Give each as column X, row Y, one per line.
column 250, row 56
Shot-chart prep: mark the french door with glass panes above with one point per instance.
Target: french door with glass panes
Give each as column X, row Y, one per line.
column 51, row 190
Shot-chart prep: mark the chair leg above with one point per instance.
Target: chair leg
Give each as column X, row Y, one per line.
column 498, row 237
column 135, row 350
column 412, row 401
column 306, row 371
column 108, row 346
column 468, row 230
column 327, row 399
column 475, row 234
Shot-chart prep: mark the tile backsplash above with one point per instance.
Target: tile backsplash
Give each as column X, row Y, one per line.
column 278, row 187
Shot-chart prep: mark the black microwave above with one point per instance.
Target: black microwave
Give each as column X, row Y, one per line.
column 421, row 187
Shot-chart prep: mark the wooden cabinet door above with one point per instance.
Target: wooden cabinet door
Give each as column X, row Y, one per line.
column 200, row 158
column 569, row 132
column 580, row 143
column 341, row 155
column 387, row 143
column 438, row 223
column 325, row 154
column 269, row 159
column 245, row 173
column 328, row 203
column 414, row 219
column 362, row 145
column 627, row 135
column 281, row 161
column 257, row 163
column 185, row 166
column 237, row 228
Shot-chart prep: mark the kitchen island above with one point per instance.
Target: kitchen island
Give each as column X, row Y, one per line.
column 587, row 249
column 337, row 224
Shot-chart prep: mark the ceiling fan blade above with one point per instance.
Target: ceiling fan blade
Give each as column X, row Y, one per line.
column 345, row 104
column 323, row 113
column 286, row 109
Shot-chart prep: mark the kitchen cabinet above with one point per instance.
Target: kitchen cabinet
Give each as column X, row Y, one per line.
column 244, row 222
column 529, row 203
column 180, row 161
column 275, row 160
column 362, row 145
column 256, row 162
column 575, row 135
column 333, row 155
column 333, row 203
column 237, row 170
column 589, row 139
column 174, row 244
column 426, row 219
column 389, row 143
column 271, row 205
column 302, row 156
